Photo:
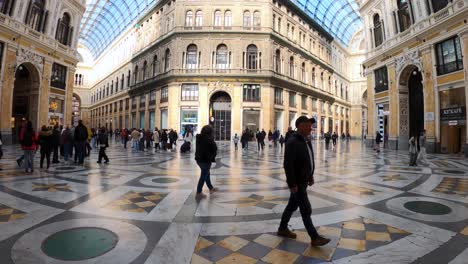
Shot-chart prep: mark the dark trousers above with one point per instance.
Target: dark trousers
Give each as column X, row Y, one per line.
column 45, row 153
column 102, row 154
column 204, row 176
column 56, row 153
column 125, row 143
column 80, row 148
column 235, row 146
column 299, row 200
column 156, row 146
column 87, row 148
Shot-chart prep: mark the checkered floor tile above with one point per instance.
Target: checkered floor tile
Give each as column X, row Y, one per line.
column 348, row 238
column 8, row 214
column 451, row 185
column 137, row 202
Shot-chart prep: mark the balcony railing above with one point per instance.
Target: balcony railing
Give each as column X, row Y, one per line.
column 453, row 8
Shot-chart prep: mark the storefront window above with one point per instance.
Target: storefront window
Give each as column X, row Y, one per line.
column 251, row 120
column 164, row 119
column 452, row 120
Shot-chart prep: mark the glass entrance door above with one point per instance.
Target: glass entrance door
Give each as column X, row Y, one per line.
column 222, row 124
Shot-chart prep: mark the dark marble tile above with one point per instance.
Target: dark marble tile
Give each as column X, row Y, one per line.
column 254, row 250
column 214, row 253
column 293, row 246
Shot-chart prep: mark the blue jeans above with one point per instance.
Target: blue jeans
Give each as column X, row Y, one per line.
column 80, row 151
column 301, row 200
column 29, row 159
column 66, row 151
column 204, row 176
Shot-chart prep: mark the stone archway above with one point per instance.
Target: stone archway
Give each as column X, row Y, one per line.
column 220, row 115
column 25, row 104
column 411, row 104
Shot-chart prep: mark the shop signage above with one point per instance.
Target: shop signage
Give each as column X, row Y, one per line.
column 453, row 123
column 455, row 113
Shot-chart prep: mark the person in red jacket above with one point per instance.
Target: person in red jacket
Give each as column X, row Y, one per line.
column 29, row 146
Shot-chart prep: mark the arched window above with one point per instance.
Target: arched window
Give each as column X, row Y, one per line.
column 378, row 31
column 291, row 67
column 128, row 78
column 117, row 84
column 313, row 77
column 218, row 19
column 36, row 15
column 278, row 61
column 336, row 88
column 228, row 18
column 6, row 7
column 167, row 60
column 252, row 57
column 155, row 64
column 222, row 57
column 256, row 19
column 64, row 32
column 135, row 75
column 145, row 68
column 247, row 19
column 404, row 14
column 191, row 59
column 199, row 18
column 122, row 82
column 303, row 75
column 329, row 84
column 274, row 22
column 322, row 84
column 189, row 19
column 341, row 91
column 438, row 5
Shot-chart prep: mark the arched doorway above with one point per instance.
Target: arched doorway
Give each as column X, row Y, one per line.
column 76, row 109
column 411, row 104
column 220, row 115
column 25, row 104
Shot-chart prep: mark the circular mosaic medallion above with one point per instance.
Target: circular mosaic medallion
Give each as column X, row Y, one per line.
column 65, row 168
column 429, row 208
column 79, row 243
column 164, row 181
column 84, row 240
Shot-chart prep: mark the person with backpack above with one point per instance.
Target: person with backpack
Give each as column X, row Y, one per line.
column 46, row 141
column 55, row 143
column 80, row 137
column 28, row 141
column 103, row 142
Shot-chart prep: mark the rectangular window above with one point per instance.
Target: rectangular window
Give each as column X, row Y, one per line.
column 152, row 97
column 127, row 103
column 278, row 96
column 314, row 104
column 58, row 79
column 164, row 94
column 189, row 92
column 292, row 99
column 304, row 102
column 134, row 102
column 449, row 56
column 142, row 101
column 251, row 92
column 381, row 80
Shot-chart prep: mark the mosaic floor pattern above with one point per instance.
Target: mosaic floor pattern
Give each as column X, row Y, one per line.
column 141, row 208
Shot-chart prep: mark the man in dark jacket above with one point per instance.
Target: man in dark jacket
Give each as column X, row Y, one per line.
column 80, row 137
column 55, row 143
column 205, row 154
column 103, row 143
column 299, row 168
column 46, row 143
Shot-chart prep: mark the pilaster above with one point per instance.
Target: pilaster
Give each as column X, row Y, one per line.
column 464, row 43
column 429, row 97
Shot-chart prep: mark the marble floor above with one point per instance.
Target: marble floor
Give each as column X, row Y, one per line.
column 140, row 208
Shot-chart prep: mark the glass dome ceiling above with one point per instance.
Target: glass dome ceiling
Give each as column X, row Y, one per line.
column 339, row 17
column 105, row 20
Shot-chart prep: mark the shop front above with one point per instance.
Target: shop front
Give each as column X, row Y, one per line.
column 189, row 121
column 251, row 120
column 452, row 120
column 55, row 115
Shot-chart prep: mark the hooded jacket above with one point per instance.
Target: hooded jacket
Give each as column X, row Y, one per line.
column 206, row 149
column 297, row 163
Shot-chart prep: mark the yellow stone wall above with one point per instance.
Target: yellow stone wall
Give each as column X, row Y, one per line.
column 429, row 92
column 393, row 104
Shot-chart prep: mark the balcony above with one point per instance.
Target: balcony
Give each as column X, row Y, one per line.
column 25, row 31
column 424, row 26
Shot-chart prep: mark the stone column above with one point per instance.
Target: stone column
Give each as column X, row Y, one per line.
column 173, row 109
column 429, row 97
column 67, row 113
column 147, row 117
column 393, row 107
column 268, row 110
column 464, row 43
column 44, row 92
column 370, row 109
column 6, row 94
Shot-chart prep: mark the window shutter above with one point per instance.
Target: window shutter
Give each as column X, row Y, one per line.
column 395, row 21
column 9, row 10
column 413, row 19
column 70, row 37
column 44, row 21
column 384, row 37
column 28, row 13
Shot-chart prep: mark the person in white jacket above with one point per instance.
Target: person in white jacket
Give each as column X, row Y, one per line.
column 156, row 139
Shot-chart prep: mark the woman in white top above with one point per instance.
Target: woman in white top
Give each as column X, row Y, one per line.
column 156, row 139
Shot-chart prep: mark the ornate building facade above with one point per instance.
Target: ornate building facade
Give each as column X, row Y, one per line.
column 37, row 62
column 416, row 71
column 234, row 65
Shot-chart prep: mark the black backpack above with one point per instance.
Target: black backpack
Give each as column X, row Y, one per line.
column 28, row 138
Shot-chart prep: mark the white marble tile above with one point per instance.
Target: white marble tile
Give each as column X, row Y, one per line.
column 176, row 245
column 400, row 180
column 428, row 186
column 77, row 190
column 406, row 169
column 98, row 177
column 35, row 214
column 461, row 258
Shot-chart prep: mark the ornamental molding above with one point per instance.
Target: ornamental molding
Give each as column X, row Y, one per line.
column 410, row 58
column 24, row 56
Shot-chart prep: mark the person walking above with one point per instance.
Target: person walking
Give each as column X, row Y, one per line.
column 164, row 139
column 422, row 148
column 46, row 142
column 22, row 129
column 245, row 140
column 66, row 140
column 327, row 137
column 135, row 139
column 205, row 154
column 156, row 140
column 103, row 142
column 55, row 144
column 236, row 140
column 413, row 151
column 281, row 141
column 28, row 141
column 299, row 167
column 334, row 138
column 378, row 140
column 80, row 137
